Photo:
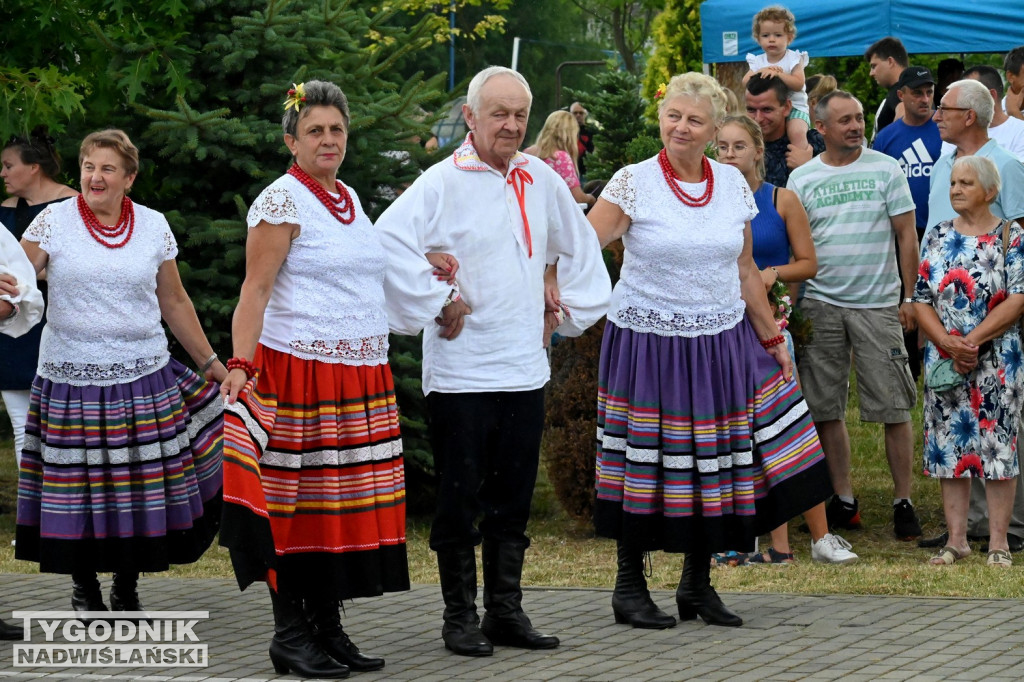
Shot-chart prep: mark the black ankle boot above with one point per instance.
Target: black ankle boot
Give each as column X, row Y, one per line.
column 124, row 595
column 505, row 623
column 85, row 593
column 293, row 648
column 696, row 597
column 631, row 602
column 10, row 631
column 325, row 620
column 461, row 631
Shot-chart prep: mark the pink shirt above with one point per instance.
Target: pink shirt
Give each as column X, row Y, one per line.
column 564, row 166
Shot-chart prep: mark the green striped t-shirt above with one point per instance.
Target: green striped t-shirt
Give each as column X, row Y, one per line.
column 849, row 209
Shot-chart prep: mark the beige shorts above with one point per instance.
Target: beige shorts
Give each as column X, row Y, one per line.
column 874, row 338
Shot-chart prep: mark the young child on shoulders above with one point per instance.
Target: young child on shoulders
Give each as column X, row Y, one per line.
column 774, row 31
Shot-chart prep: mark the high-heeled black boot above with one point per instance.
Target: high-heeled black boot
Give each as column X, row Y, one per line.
column 124, row 595
column 461, row 631
column 325, row 620
column 293, row 648
column 85, row 593
column 631, row 601
column 696, row 597
column 505, row 623
column 10, row 631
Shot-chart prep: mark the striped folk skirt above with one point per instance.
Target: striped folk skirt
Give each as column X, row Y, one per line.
column 314, row 479
column 121, row 478
column 701, row 442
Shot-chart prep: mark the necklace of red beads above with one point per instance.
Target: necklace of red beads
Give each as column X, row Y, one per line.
column 106, row 235
column 673, row 180
column 342, row 208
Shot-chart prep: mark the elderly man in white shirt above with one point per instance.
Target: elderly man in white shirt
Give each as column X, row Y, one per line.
column 505, row 216
column 21, row 308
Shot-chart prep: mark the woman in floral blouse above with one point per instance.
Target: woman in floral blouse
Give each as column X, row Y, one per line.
column 969, row 296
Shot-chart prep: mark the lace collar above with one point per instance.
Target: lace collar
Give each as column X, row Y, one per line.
column 466, row 157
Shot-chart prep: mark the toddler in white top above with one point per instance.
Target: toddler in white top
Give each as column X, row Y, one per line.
column 774, row 31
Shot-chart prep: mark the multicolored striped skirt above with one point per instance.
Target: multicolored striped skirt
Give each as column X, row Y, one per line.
column 121, row 478
column 314, row 480
column 701, row 442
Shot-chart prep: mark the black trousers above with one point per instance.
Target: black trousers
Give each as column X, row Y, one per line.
column 486, row 452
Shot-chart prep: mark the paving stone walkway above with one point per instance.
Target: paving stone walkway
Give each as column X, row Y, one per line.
column 785, row 637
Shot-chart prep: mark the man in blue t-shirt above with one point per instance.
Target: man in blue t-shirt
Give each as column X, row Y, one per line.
column 914, row 139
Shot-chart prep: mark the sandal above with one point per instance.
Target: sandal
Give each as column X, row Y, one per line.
column 947, row 556
column 1000, row 558
column 771, row 556
column 730, row 558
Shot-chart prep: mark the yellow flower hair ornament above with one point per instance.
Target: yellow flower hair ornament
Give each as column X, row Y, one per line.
column 660, row 92
column 296, row 97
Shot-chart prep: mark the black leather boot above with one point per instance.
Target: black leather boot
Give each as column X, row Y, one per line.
column 124, row 595
column 10, row 631
column 505, row 623
column 696, row 597
column 631, row 601
column 85, row 593
column 325, row 620
column 461, row 632
column 293, row 648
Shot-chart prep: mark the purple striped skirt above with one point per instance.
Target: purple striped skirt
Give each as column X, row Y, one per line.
column 701, row 442
column 121, row 478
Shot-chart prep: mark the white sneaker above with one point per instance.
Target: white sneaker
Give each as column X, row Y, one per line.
column 832, row 549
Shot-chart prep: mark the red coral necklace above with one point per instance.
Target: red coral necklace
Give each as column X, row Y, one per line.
column 342, row 208
column 104, row 234
column 673, row 180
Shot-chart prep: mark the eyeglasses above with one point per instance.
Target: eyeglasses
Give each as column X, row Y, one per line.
column 737, row 148
column 943, row 108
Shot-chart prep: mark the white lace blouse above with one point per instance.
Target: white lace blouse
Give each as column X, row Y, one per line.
column 103, row 321
column 328, row 300
column 679, row 272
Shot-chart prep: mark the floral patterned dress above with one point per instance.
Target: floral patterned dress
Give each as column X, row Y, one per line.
column 971, row 431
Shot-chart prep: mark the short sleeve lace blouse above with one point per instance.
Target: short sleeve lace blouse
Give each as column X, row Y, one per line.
column 679, row 272
column 103, row 318
column 328, row 300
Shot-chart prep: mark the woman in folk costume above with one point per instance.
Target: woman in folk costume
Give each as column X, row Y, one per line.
column 121, row 469
column 315, row 498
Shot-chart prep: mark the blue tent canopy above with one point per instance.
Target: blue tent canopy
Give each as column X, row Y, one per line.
column 830, row 28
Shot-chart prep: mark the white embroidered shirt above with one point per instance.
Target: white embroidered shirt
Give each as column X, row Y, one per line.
column 467, row 208
column 327, row 303
column 103, row 323
column 679, row 272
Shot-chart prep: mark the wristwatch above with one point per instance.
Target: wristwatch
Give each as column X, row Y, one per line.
column 908, row 300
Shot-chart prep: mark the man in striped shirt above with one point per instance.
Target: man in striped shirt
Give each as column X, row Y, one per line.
column 856, row 200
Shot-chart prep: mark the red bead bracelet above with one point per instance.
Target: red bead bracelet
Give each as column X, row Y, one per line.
column 242, row 364
column 774, row 341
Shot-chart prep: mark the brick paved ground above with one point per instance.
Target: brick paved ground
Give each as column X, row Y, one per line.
column 785, row 637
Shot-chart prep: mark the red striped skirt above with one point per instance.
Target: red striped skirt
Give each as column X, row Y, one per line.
column 314, row 480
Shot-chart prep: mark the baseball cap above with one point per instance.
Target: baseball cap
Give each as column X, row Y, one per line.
column 914, row 77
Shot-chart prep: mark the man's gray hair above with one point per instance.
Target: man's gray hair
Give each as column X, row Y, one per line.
column 973, row 95
column 985, row 170
column 477, row 84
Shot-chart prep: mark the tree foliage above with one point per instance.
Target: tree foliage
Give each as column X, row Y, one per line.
column 676, row 46
column 626, row 22
column 614, row 100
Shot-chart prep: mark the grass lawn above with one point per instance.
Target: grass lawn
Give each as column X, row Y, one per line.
column 566, row 553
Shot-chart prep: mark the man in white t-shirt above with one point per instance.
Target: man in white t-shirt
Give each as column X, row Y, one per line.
column 856, row 199
column 1006, row 130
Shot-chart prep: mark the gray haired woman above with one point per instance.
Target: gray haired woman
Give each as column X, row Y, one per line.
column 968, row 300
column 314, row 476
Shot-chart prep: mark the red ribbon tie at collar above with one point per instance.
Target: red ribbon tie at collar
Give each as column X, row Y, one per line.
column 519, row 179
